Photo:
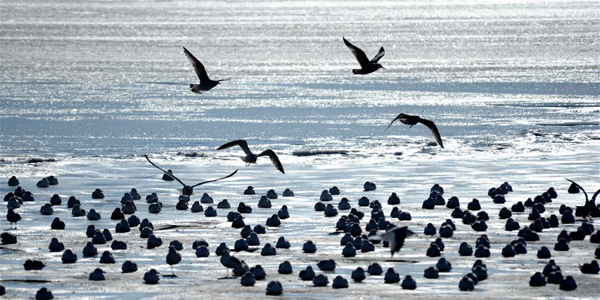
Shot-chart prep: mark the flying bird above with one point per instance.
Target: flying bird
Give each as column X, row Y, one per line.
column 396, row 237
column 250, row 157
column 188, row 190
column 367, row 66
column 205, row 82
column 413, row 120
column 589, row 208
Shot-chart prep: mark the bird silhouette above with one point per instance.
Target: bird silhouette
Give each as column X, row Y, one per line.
column 187, row 189
column 33, row 264
column 13, row 217
column 414, row 120
column 205, row 82
column 367, row 66
column 396, row 237
column 589, row 208
column 151, row 277
column 173, row 258
column 229, row 261
column 250, row 157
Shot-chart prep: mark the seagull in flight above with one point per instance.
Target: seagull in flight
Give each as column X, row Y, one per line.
column 367, row 66
column 205, row 82
column 396, row 237
column 187, row 190
column 413, row 120
column 250, row 157
column 589, row 208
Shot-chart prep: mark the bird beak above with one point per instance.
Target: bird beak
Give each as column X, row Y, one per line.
column 409, row 233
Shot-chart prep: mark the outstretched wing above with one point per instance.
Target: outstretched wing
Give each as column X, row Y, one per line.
column 358, row 53
column 198, row 66
column 203, row 182
column 274, row 159
column 378, row 56
column 594, row 196
column 169, row 174
column 394, row 120
column 242, row 143
column 434, row 130
column 396, row 237
column 575, row 183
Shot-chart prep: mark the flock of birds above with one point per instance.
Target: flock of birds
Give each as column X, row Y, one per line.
column 358, row 235
column 367, row 67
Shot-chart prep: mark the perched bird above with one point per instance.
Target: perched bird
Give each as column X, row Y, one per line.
column 188, row 190
column 173, row 258
column 367, row 66
column 327, row 265
column 205, row 82
column 396, row 237
column 251, row 157
column 97, row 275
column 168, row 177
column 229, row 262
column 589, row 208
column 13, row 217
column 413, row 120
column 43, row 294
column 151, row 277
column 32, row 264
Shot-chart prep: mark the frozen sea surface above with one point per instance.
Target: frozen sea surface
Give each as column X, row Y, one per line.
column 513, row 86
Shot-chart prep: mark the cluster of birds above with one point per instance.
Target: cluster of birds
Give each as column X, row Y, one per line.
column 356, row 235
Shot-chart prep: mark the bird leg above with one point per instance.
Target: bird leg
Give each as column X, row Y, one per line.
column 172, row 272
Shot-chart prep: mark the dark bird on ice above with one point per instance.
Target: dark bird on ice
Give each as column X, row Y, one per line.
column 250, row 157
column 13, row 217
column 187, row 189
column 414, row 120
column 230, row 262
column 395, row 237
column 367, row 66
column 589, row 208
column 173, row 258
column 32, row 264
column 205, row 82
